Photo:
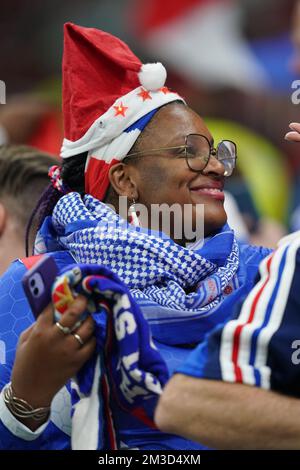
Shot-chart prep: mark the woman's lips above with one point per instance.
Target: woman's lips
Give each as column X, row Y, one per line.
column 210, row 192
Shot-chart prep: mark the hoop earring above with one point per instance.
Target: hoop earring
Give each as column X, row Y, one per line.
column 133, row 217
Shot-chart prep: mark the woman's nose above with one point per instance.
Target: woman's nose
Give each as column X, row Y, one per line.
column 214, row 166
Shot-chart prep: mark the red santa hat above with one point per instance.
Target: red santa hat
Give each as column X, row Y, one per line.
column 107, row 95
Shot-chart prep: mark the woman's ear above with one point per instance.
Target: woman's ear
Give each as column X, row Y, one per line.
column 123, row 180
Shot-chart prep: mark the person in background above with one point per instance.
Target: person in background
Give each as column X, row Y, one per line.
column 293, row 135
column 23, row 178
column 20, row 117
column 240, row 388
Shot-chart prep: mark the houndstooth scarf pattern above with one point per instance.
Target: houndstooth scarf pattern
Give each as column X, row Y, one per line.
column 156, row 269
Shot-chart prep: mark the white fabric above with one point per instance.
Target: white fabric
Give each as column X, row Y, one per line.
column 260, row 318
column 109, row 126
column 85, row 427
column 60, row 416
column 235, row 219
column 15, row 427
column 289, row 238
column 117, row 149
column 205, row 45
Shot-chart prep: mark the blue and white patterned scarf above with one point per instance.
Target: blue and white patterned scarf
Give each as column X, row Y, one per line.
column 126, row 372
column 156, row 269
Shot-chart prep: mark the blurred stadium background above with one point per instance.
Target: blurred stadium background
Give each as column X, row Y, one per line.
column 233, row 60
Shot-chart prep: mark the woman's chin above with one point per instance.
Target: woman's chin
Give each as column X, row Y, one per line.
column 214, row 221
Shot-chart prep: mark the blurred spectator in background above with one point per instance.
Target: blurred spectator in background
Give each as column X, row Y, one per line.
column 187, row 25
column 295, row 36
column 20, row 118
column 23, row 178
column 293, row 135
column 31, row 119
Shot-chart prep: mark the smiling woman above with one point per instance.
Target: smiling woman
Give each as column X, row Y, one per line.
column 170, row 180
column 184, row 288
column 165, row 176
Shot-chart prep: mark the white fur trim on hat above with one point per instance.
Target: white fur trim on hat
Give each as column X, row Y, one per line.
column 111, row 124
column 152, row 76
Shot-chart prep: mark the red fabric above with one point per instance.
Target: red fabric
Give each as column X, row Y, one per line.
column 96, row 177
column 49, row 134
column 152, row 14
column 238, row 331
column 31, row 261
column 98, row 68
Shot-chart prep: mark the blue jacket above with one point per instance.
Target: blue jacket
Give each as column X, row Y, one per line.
column 16, row 316
column 260, row 344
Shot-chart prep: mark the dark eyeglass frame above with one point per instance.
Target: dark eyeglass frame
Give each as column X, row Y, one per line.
column 213, row 151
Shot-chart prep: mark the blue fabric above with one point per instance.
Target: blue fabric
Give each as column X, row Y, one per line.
column 156, row 269
column 129, row 361
column 270, row 347
column 275, row 53
column 52, row 439
column 175, row 319
column 16, row 316
column 142, row 122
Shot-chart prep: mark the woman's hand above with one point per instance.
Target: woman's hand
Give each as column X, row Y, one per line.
column 47, row 358
column 294, row 135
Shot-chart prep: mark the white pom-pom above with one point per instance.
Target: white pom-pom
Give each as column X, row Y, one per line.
column 152, row 76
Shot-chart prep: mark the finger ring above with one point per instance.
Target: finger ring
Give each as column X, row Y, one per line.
column 79, row 339
column 65, row 329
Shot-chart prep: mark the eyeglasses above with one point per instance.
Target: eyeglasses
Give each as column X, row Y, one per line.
column 197, row 151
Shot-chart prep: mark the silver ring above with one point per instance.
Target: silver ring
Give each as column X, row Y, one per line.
column 79, row 339
column 65, row 329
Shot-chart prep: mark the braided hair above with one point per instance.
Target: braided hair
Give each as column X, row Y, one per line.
column 73, row 177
